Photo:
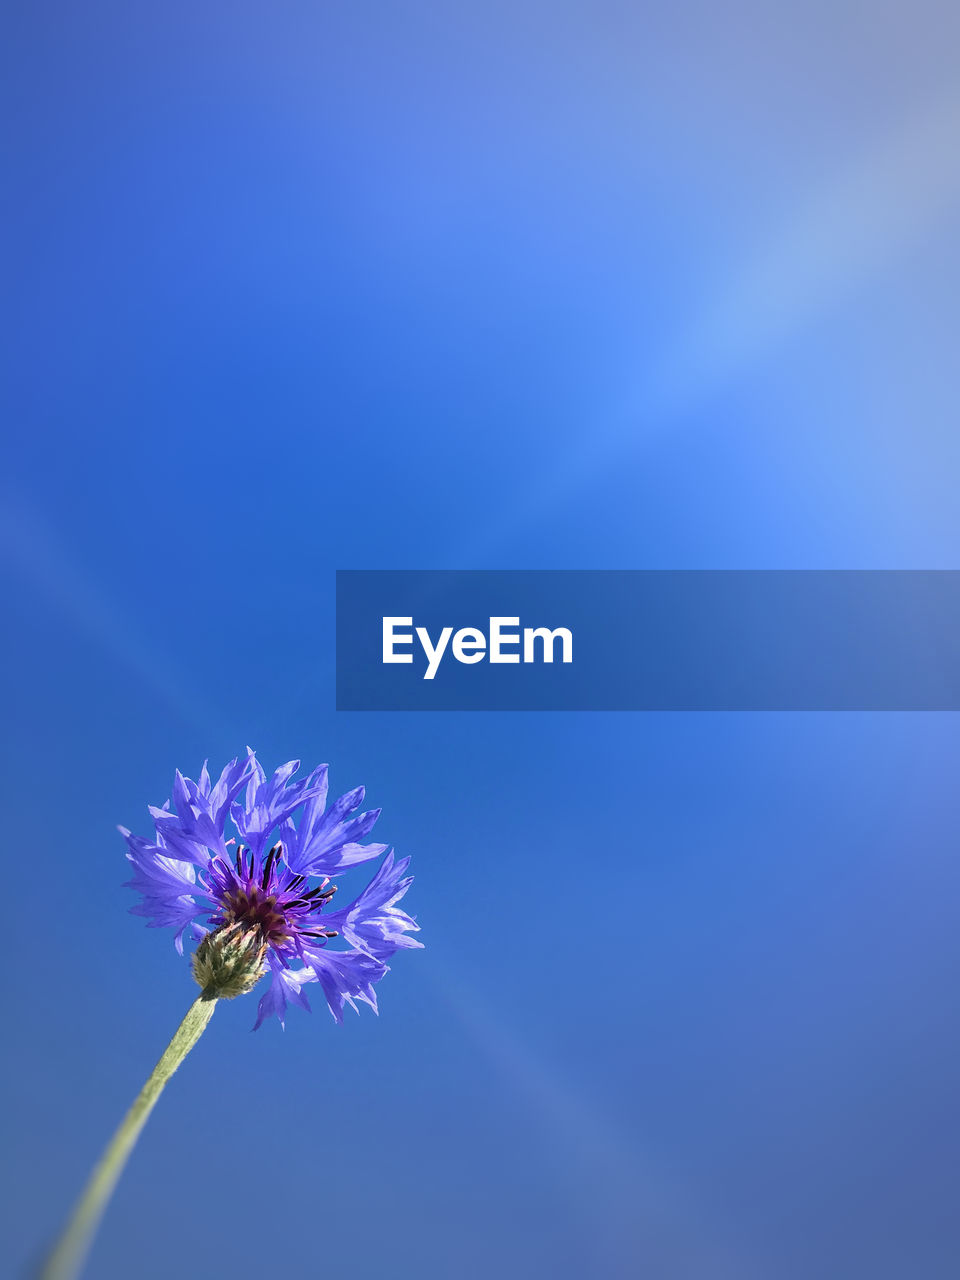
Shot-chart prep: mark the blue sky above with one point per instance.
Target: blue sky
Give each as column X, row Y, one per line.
column 301, row 287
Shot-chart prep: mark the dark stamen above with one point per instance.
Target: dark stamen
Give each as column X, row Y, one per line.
column 271, row 859
column 321, row 892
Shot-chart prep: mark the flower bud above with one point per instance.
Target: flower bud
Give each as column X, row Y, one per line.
column 230, row 961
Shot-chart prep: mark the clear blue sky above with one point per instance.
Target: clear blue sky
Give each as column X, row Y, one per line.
column 301, row 286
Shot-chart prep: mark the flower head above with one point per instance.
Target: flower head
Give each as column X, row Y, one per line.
column 265, row 894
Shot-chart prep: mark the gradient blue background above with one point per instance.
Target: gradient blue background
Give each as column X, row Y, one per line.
column 301, row 286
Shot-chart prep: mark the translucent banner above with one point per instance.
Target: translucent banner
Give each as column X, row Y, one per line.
column 648, row 640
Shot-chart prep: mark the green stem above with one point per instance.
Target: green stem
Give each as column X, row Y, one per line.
column 71, row 1250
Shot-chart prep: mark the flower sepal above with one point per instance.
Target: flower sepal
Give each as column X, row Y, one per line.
column 230, row 961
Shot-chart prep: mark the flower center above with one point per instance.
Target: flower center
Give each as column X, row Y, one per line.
column 268, row 901
column 255, row 909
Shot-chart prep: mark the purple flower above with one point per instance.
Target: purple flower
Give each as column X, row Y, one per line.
column 257, row 888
